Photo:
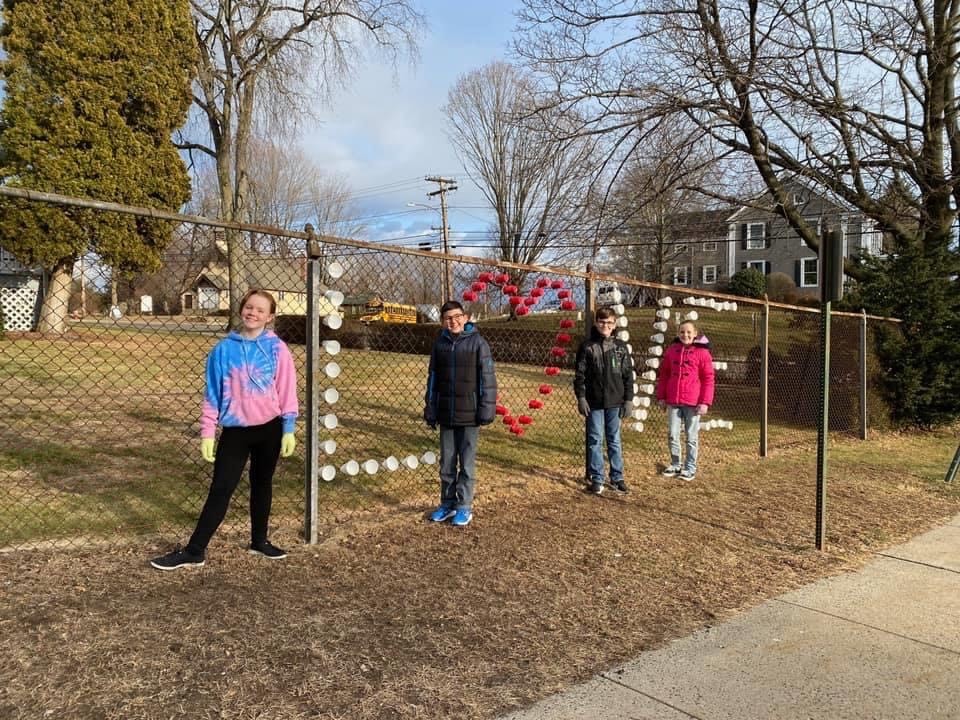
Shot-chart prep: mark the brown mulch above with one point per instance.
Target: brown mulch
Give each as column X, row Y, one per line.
column 401, row 618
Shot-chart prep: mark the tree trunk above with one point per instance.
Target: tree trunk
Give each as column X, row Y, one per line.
column 53, row 313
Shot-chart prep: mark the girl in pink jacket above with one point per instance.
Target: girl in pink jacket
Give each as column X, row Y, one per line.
column 685, row 388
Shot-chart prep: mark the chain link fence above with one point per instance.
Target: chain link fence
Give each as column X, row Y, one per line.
column 99, row 428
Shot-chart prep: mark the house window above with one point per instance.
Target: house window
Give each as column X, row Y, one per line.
column 681, row 275
column 815, row 223
column 809, row 272
column 710, row 246
column 761, row 265
column 681, row 249
column 755, row 236
column 798, row 199
column 708, row 274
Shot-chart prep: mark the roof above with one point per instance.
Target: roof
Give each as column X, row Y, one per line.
column 269, row 273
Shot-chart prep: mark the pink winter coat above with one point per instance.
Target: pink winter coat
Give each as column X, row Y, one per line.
column 686, row 375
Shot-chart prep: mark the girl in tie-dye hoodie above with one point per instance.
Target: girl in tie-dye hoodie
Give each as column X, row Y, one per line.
column 251, row 393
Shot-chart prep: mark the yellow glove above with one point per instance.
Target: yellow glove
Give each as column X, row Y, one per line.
column 207, row 449
column 288, row 443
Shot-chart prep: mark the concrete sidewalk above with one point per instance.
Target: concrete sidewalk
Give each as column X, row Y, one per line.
column 883, row 642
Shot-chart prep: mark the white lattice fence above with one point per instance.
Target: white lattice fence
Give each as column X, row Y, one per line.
column 19, row 303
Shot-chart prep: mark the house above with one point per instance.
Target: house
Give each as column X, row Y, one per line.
column 21, row 293
column 759, row 237
column 284, row 278
column 698, row 250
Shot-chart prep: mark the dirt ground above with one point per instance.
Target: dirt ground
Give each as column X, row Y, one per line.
column 395, row 617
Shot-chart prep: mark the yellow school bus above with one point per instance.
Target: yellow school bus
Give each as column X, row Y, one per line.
column 389, row 312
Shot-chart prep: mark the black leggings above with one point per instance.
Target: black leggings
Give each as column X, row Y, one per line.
column 261, row 443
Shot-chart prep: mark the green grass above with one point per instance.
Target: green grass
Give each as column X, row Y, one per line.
column 98, row 431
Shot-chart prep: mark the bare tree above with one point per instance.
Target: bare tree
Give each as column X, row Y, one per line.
column 536, row 179
column 663, row 190
column 850, row 96
column 288, row 190
column 265, row 63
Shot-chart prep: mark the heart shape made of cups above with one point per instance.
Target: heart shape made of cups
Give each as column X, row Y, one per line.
column 523, row 305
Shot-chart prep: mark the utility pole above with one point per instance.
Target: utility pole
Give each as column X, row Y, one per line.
column 444, row 185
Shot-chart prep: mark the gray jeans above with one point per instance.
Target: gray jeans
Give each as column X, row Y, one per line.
column 458, row 457
column 685, row 415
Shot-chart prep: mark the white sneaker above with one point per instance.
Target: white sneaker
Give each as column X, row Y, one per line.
column 671, row 471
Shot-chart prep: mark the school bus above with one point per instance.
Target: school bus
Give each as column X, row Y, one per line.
column 389, row 312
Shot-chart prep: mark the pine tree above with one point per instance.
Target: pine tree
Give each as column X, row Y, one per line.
column 94, row 91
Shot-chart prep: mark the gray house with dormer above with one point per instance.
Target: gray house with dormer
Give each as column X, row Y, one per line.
column 760, row 238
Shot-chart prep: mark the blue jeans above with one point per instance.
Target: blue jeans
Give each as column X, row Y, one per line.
column 604, row 424
column 458, row 459
column 691, row 426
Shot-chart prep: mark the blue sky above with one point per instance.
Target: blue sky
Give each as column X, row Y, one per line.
column 387, row 131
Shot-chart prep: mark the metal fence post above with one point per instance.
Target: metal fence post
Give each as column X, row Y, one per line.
column 312, row 445
column 863, row 375
column 764, row 374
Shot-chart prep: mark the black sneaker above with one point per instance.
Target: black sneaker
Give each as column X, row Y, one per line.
column 267, row 549
column 177, row 559
column 596, row 487
column 619, row 485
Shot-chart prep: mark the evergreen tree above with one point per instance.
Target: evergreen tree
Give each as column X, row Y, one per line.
column 94, row 91
column 920, row 356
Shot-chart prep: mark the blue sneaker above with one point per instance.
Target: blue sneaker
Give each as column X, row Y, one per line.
column 462, row 517
column 444, row 512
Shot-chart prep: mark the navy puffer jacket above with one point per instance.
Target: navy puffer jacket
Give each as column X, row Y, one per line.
column 461, row 382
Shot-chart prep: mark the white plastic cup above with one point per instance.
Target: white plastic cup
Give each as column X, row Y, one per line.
column 638, row 426
column 657, row 338
column 428, row 458
column 623, row 335
column 351, row 467
column 331, row 370
column 623, row 321
column 329, row 447
column 329, row 421
column 335, row 270
column 331, row 395
column 328, row 473
column 640, row 414
column 733, row 307
column 708, row 425
column 629, row 349
column 616, row 296
column 660, row 326
column 333, row 321
column 728, row 424
column 370, row 467
column 391, row 463
column 411, row 462
column 655, row 350
column 692, row 315
column 331, row 347
column 649, row 375
column 663, row 314
column 647, row 389
column 335, row 297
column 618, row 309
column 642, row 402
column 665, row 301
column 652, row 362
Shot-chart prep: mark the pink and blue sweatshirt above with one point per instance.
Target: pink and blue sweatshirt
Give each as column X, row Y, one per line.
column 249, row 382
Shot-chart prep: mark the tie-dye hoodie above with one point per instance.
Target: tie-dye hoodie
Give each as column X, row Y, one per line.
column 249, row 382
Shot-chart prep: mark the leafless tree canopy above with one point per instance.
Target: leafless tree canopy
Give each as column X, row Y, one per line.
column 535, row 182
column 263, row 62
column 854, row 97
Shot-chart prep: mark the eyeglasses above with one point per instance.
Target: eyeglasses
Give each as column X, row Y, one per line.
column 457, row 317
column 606, row 322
